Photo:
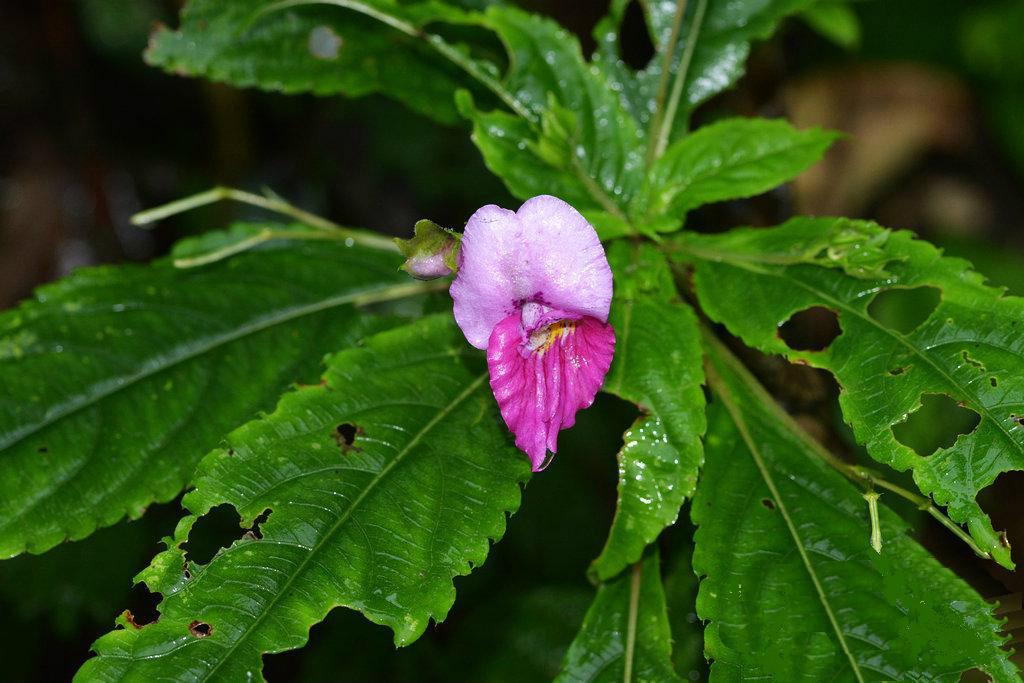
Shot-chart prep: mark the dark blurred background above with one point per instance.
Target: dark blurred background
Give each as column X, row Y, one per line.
column 931, row 95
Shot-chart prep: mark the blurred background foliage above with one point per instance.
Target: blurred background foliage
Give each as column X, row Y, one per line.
column 931, row 93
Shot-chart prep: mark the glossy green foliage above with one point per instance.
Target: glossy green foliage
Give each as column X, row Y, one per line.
column 375, row 487
column 658, row 367
column 116, row 381
column 554, row 123
column 792, row 590
column 591, row 146
column 586, row 143
column 625, row 635
column 969, row 348
column 382, row 484
column 856, row 247
column 721, row 42
column 729, row 159
column 323, row 48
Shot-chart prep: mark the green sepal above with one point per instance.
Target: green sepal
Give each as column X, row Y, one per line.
column 432, row 252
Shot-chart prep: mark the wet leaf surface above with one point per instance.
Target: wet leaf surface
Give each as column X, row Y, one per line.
column 792, row 590
column 969, row 349
column 657, row 366
column 117, row 380
column 383, row 530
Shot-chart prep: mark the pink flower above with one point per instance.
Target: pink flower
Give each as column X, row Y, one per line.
column 534, row 288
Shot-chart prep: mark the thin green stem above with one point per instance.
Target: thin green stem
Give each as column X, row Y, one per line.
column 434, row 41
column 270, row 203
column 265, row 235
column 220, row 193
column 862, row 476
column 412, row 288
column 223, row 253
column 678, row 86
column 631, row 619
column 666, row 69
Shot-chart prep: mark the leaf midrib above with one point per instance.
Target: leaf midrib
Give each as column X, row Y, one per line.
column 112, row 386
column 399, row 457
column 755, row 454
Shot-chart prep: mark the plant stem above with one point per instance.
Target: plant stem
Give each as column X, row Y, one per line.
column 677, row 87
column 411, row 288
column 631, row 619
column 666, row 69
column 265, row 235
column 275, row 204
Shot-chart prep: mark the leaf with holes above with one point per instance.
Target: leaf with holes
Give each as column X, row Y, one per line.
column 729, row 159
column 625, row 635
column 117, row 380
column 969, row 348
column 346, row 47
column 382, row 484
column 657, row 365
column 792, row 590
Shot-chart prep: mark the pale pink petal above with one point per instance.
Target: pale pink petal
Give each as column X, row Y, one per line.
column 539, row 391
column 545, row 253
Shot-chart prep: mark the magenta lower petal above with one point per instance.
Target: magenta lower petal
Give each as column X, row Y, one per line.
column 541, row 379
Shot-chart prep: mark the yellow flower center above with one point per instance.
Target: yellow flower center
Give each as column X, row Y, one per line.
column 542, row 339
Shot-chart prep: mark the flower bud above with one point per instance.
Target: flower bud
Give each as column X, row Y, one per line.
column 431, row 253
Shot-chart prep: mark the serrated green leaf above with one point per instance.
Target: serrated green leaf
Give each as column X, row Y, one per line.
column 382, row 485
column 969, row 349
column 597, row 165
column 320, row 49
column 720, row 53
column 591, row 158
column 729, row 159
column 625, row 635
column 857, row 247
column 723, row 43
column 792, row 589
column 506, row 141
column 657, row 365
column 117, row 380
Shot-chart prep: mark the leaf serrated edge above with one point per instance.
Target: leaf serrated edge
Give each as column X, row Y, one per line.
column 162, row 577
